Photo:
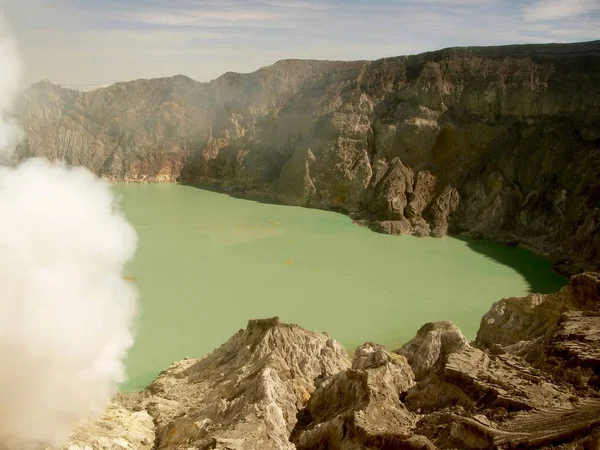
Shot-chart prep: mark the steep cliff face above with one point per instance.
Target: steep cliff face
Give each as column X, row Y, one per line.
column 147, row 130
column 499, row 142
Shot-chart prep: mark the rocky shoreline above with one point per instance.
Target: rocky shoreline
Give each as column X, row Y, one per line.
column 531, row 379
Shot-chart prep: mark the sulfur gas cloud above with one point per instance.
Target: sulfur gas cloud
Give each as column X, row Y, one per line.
column 66, row 313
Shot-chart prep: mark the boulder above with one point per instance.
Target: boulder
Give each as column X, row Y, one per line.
column 431, row 346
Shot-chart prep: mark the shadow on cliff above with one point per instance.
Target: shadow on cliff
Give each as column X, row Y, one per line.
column 535, row 269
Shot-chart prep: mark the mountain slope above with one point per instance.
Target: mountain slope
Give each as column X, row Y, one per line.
column 499, row 142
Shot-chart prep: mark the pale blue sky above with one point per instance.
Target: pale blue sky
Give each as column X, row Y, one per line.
column 102, row 41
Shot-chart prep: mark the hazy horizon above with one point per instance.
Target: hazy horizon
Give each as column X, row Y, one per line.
column 91, row 43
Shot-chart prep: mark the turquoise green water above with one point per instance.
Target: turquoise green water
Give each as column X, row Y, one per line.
column 207, row 263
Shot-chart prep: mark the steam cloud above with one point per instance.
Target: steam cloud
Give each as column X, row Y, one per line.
column 66, row 313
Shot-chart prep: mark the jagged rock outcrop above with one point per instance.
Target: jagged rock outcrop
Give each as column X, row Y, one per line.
column 483, row 401
column 359, row 408
column 472, row 399
column 476, row 381
column 429, row 349
column 497, row 142
column 247, row 393
column 529, row 380
column 533, row 381
column 564, row 427
column 557, row 333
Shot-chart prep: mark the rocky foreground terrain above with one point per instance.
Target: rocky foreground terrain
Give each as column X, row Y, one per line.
column 531, row 379
column 496, row 142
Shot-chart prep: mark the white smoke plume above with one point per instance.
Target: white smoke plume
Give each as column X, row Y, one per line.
column 66, row 313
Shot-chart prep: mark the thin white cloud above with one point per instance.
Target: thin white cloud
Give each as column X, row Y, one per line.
column 299, row 4
column 195, row 17
column 546, row 10
column 580, row 30
column 455, row 2
column 204, row 38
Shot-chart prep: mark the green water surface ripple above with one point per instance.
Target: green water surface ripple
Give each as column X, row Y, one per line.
column 207, row 263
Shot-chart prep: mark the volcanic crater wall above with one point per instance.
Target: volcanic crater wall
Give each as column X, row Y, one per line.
column 497, row 142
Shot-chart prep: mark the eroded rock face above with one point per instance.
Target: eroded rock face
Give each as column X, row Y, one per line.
column 566, row 427
column 558, row 333
column 499, row 142
column 360, row 407
column 519, row 319
column 429, row 349
column 475, row 380
column 530, row 380
column 247, row 393
column 479, row 400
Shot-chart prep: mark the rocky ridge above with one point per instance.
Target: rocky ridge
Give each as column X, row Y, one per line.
column 495, row 142
column 529, row 380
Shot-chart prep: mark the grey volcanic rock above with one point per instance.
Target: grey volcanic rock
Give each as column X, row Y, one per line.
column 247, row 393
column 360, row 407
column 565, row 427
column 478, row 400
column 497, row 142
column 530, row 380
column 533, row 382
column 574, row 351
column 519, row 319
column 429, row 349
column 477, row 381
column 558, row 333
